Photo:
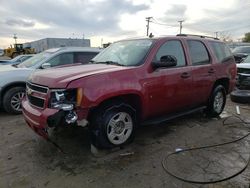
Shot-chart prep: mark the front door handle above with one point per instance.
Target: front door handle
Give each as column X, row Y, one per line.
column 211, row 71
column 185, row 75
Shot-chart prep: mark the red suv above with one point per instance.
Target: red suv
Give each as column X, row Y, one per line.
column 132, row 82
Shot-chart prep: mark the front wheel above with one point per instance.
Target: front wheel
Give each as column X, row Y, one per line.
column 217, row 101
column 113, row 125
column 12, row 100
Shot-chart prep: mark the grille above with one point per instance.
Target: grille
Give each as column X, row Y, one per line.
column 35, row 100
column 243, row 70
column 37, row 88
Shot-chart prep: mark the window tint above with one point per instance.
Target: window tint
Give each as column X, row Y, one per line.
column 242, row 49
column 62, row 59
column 221, row 51
column 173, row 48
column 198, row 53
column 84, row 57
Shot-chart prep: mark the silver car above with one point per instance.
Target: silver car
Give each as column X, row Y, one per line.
column 13, row 77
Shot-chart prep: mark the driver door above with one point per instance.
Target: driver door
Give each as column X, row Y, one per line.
column 170, row 88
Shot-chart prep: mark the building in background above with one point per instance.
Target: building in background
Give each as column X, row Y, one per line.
column 47, row 43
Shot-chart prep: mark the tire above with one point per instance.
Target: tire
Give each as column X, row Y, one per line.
column 240, row 96
column 108, row 125
column 216, row 102
column 12, row 100
column 14, row 55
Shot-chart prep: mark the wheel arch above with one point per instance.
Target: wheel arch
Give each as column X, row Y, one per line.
column 224, row 82
column 9, row 86
column 132, row 99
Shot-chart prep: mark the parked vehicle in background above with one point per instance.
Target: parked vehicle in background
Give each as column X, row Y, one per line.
column 132, row 82
column 243, row 78
column 17, row 60
column 18, row 49
column 242, row 49
column 1, row 52
column 13, row 77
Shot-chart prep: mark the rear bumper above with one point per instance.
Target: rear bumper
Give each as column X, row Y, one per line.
column 36, row 118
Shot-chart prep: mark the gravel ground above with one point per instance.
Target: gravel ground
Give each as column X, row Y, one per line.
column 28, row 161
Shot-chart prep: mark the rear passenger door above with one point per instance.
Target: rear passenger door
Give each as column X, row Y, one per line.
column 203, row 71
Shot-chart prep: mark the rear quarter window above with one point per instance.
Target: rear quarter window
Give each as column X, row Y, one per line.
column 221, row 51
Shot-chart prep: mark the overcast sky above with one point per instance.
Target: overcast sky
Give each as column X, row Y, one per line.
column 110, row 20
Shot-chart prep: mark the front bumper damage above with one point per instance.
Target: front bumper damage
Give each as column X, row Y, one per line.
column 41, row 121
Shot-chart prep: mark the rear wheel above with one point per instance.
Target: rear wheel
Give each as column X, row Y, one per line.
column 12, row 100
column 113, row 125
column 217, row 101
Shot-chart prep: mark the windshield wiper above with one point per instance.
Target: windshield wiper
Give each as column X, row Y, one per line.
column 106, row 62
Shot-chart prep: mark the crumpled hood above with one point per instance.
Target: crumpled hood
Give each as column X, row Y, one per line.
column 61, row 77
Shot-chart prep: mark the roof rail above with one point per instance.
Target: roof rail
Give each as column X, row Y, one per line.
column 201, row 36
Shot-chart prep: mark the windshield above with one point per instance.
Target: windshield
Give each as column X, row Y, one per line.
column 242, row 49
column 247, row 60
column 34, row 60
column 124, row 53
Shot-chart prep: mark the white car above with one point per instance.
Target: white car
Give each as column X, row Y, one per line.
column 13, row 77
column 243, row 69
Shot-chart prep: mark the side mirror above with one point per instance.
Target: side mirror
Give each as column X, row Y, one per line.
column 239, row 57
column 165, row 61
column 45, row 65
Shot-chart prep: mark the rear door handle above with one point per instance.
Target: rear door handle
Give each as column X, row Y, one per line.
column 185, row 75
column 211, row 70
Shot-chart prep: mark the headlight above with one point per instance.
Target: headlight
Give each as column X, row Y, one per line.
column 63, row 99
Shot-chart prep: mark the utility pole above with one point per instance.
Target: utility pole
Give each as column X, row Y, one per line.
column 147, row 26
column 181, row 25
column 216, row 34
column 15, row 37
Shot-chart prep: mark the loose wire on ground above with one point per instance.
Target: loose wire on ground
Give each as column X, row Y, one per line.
column 164, row 162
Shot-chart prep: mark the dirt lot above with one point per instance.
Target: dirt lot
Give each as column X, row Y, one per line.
column 27, row 160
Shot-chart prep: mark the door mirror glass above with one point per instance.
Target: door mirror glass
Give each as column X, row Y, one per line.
column 240, row 57
column 165, row 61
column 46, row 65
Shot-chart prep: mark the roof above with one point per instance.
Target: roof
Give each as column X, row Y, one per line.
column 74, row 49
column 189, row 36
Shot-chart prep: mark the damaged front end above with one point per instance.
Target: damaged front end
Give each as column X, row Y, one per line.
column 45, row 109
column 65, row 101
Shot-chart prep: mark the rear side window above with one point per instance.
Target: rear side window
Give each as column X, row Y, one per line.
column 221, row 51
column 84, row 57
column 198, row 53
column 174, row 48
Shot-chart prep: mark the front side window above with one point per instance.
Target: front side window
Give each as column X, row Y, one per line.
column 198, row 53
column 173, row 48
column 62, row 59
column 125, row 53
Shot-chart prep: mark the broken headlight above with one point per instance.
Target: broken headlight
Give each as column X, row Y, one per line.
column 63, row 99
